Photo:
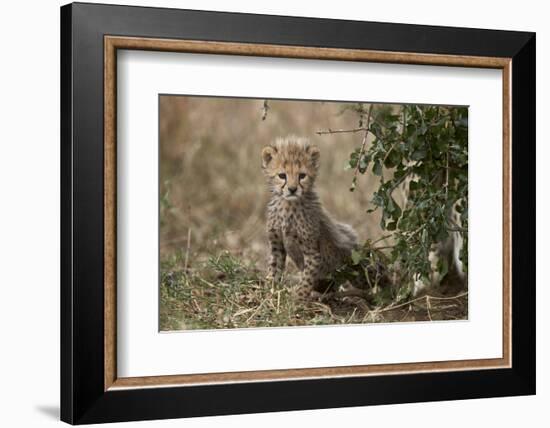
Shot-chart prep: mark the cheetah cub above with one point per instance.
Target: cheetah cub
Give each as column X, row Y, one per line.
column 297, row 224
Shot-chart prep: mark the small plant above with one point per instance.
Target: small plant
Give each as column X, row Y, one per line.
column 423, row 151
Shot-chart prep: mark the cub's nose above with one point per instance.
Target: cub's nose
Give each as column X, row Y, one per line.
column 292, row 190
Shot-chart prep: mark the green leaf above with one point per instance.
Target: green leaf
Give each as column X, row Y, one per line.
column 377, row 168
column 442, row 267
column 434, row 138
column 442, row 235
column 363, row 164
column 419, row 154
column 355, row 257
column 423, row 128
column 413, row 185
column 391, row 226
column 391, row 205
column 397, row 211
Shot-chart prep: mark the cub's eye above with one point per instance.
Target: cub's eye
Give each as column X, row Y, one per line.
column 282, row 176
column 301, row 176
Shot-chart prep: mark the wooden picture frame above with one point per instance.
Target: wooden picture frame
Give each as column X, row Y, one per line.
column 91, row 390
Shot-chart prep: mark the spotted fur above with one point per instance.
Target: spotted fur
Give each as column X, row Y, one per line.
column 297, row 224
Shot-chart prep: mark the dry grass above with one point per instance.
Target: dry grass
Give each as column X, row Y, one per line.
column 212, row 208
column 224, row 293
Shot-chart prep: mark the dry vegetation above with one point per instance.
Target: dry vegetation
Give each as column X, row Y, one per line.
column 212, row 243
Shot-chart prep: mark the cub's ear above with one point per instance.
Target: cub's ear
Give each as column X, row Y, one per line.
column 268, row 153
column 314, row 153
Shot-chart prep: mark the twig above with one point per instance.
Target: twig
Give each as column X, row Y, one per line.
column 241, row 312
column 380, row 239
column 383, row 247
column 404, row 124
column 458, row 296
column 187, row 250
column 399, row 181
column 324, row 308
column 340, row 131
column 388, row 308
column 258, row 309
column 353, row 292
column 265, row 108
column 406, row 314
column 426, row 188
column 351, row 130
column 208, row 283
column 447, row 175
column 351, row 316
column 363, row 143
column 197, row 307
column 388, row 153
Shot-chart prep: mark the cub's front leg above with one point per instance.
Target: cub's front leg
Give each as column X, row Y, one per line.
column 277, row 255
column 310, row 272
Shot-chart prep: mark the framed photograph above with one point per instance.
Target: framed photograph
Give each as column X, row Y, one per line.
column 266, row 213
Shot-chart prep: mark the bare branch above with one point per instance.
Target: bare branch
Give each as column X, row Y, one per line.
column 391, row 308
column 383, row 247
column 187, row 249
column 265, row 108
column 363, row 143
column 341, row 131
column 380, row 239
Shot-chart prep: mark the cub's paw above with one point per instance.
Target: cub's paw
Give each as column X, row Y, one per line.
column 303, row 293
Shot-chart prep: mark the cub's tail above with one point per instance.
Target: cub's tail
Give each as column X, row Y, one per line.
column 347, row 237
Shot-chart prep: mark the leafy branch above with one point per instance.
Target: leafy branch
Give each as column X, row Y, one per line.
column 420, row 154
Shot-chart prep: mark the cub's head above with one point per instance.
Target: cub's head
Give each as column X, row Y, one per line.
column 290, row 165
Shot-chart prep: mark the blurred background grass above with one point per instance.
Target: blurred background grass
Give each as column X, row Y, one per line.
column 211, row 184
